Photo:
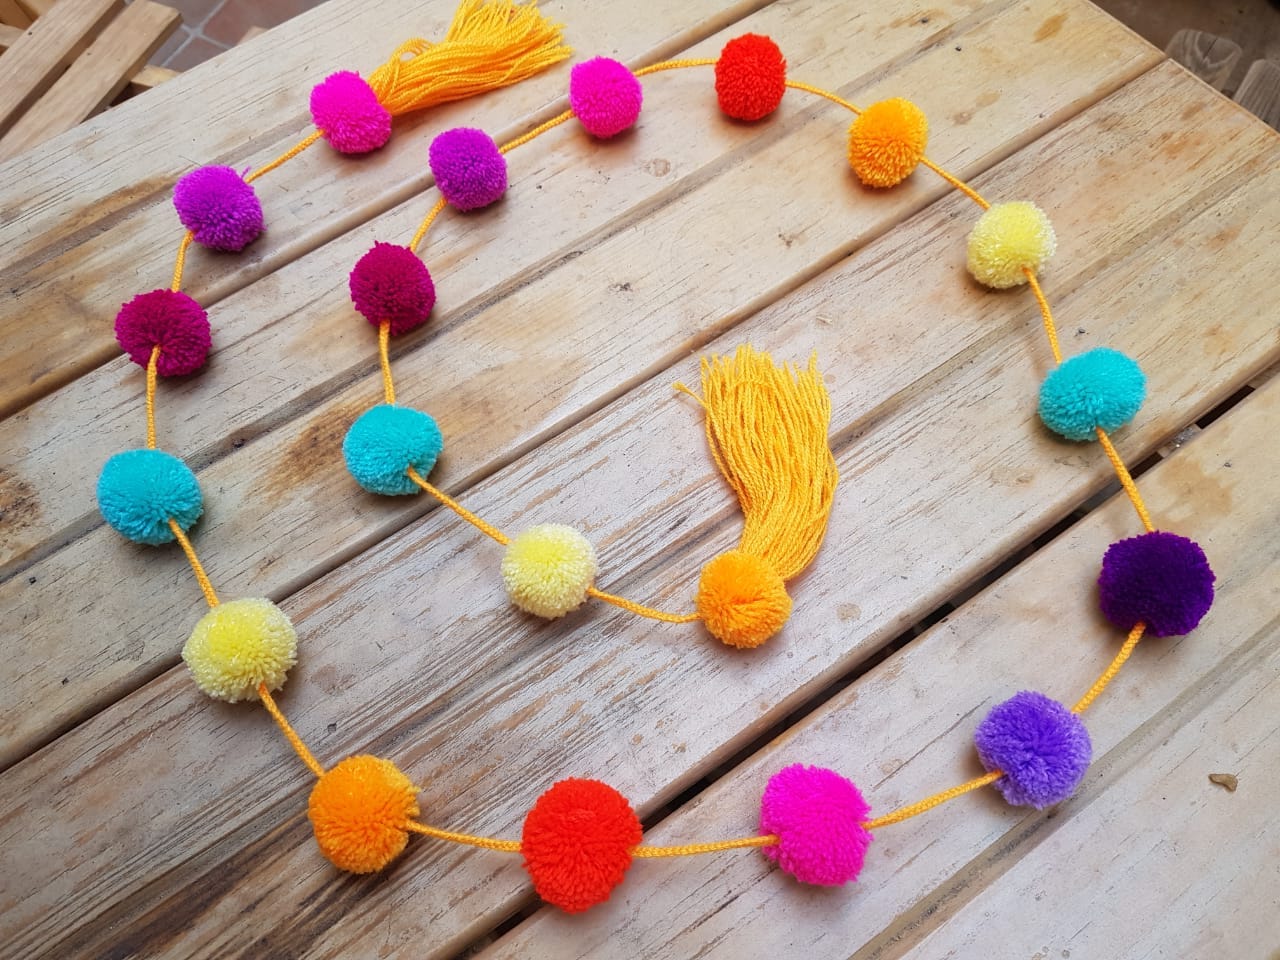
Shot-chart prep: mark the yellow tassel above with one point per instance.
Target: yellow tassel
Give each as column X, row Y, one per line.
column 491, row 44
column 767, row 430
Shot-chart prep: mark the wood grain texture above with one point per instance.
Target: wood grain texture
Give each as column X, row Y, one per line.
column 1210, row 57
column 1259, row 91
column 96, row 76
column 481, row 374
column 1145, row 834
column 186, row 824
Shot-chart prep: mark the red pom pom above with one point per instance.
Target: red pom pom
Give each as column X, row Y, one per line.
column 171, row 320
column 577, row 843
column 751, row 76
column 391, row 283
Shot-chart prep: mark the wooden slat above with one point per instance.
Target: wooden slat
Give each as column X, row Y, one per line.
column 144, row 79
column 9, row 35
column 1145, row 835
column 1259, row 92
column 484, row 360
column 230, row 823
column 36, row 8
column 12, row 16
column 36, row 59
column 96, row 77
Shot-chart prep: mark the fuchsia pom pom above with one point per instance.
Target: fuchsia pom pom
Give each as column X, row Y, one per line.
column 170, row 319
column 469, row 169
column 605, row 96
column 1158, row 578
column 218, row 207
column 391, row 283
column 345, row 107
column 818, row 816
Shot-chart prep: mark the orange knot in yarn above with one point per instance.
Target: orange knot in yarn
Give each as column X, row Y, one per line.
column 359, row 810
column 577, row 843
column 887, row 142
column 742, row 600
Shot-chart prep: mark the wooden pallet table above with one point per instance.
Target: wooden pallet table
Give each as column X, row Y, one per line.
column 140, row 819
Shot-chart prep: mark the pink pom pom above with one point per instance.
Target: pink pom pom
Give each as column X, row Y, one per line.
column 218, row 207
column 170, row 319
column 345, row 107
column 391, row 283
column 470, row 170
column 817, row 815
column 605, row 96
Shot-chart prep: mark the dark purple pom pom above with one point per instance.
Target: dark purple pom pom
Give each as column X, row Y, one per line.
column 391, row 283
column 1040, row 746
column 1160, row 579
column 218, row 207
column 469, row 169
column 170, row 319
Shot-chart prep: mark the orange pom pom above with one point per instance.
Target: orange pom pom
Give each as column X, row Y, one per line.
column 742, row 600
column 577, row 843
column 358, row 811
column 887, row 141
column 751, row 77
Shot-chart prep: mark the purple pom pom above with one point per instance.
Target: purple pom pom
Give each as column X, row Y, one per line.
column 469, row 169
column 1160, row 579
column 391, row 283
column 345, row 107
column 605, row 96
column 1041, row 747
column 218, row 207
column 817, row 815
column 171, row 320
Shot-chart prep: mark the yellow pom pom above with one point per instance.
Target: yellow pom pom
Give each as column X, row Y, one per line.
column 887, row 141
column 238, row 645
column 358, row 811
column 1007, row 238
column 741, row 600
column 548, row 569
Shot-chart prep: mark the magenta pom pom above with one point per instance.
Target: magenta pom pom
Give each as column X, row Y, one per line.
column 391, row 283
column 218, row 207
column 170, row 319
column 818, row 816
column 469, row 169
column 1160, row 579
column 1041, row 747
column 347, row 110
column 605, row 96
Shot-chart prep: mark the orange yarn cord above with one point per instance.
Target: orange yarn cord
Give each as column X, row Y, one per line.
column 485, row 528
column 825, row 94
column 956, row 182
column 1050, row 328
column 196, row 567
column 674, row 65
column 537, row 131
column 151, row 397
column 1109, row 674
column 1126, row 481
column 290, row 734
column 181, row 260
column 928, row 803
column 693, row 849
column 488, row 843
column 288, row 155
column 384, row 344
column 640, row 609
column 427, row 221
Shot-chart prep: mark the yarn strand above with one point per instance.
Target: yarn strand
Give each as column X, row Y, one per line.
column 1126, row 480
column 1110, row 673
column 285, row 157
column 181, row 260
column 151, row 396
column 928, row 803
column 384, row 356
column 196, row 566
column 290, row 734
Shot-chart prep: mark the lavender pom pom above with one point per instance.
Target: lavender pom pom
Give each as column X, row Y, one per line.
column 1040, row 746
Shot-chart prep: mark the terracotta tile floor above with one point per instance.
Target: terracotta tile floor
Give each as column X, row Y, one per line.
column 212, row 26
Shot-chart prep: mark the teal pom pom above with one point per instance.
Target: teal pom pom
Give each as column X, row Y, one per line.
column 385, row 442
column 1100, row 388
column 139, row 490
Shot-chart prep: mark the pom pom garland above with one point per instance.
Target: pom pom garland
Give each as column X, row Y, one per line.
column 548, row 570
column 470, row 172
column 391, row 283
column 345, row 108
column 605, row 96
column 751, row 77
column 140, row 491
column 1040, row 746
column 817, row 816
column 887, row 141
column 218, row 207
column 577, row 843
column 385, row 442
column 238, row 645
column 360, row 811
column 170, row 320
column 1007, row 239
column 1099, row 388
column 1159, row 579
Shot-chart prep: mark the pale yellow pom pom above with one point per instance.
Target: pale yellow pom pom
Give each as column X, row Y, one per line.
column 1007, row 238
column 548, row 569
column 238, row 645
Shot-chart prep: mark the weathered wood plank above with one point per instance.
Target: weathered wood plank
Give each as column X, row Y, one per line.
column 976, row 877
column 95, row 207
column 1259, row 92
column 144, row 79
column 96, row 77
column 483, row 377
column 229, row 820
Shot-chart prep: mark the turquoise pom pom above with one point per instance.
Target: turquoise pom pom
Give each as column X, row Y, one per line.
column 1100, row 388
column 139, row 490
column 385, row 441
